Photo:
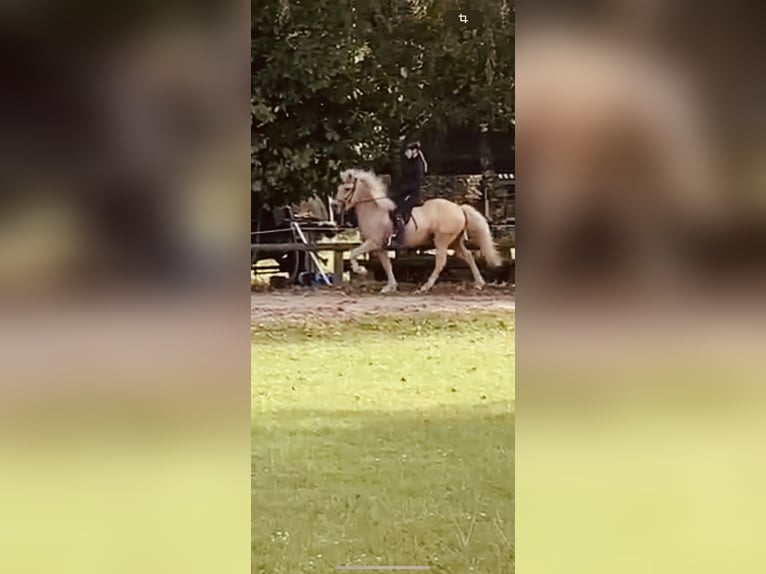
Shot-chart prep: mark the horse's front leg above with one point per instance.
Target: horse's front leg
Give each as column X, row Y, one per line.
column 365, row 247
column 385, row 261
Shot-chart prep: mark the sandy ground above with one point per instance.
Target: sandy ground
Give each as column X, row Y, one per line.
column 297, row 306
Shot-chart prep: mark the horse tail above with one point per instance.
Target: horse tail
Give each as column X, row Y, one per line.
column 478, row 230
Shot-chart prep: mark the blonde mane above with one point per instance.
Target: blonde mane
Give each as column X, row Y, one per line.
column 374, row 184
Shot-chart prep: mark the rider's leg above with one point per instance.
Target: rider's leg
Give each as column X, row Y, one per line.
column 398, row 231
column 409, row 204
column 399, row 226
column 398, row 221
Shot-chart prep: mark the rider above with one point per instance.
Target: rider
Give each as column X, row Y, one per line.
column 414, row 168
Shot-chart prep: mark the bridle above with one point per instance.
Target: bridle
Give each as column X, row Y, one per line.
column 347, row 200
column 353, row 192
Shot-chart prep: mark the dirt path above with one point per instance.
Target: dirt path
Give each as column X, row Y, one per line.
column 299, row 306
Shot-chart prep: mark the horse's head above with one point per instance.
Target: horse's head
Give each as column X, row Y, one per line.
column 362, row 187
column 348, row 190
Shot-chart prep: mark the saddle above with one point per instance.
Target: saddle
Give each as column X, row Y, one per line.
column 397, row 237
column 396, row 213
column 404, row 212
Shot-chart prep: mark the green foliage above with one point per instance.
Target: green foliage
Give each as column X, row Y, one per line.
column 386, row 441
column 336, row 84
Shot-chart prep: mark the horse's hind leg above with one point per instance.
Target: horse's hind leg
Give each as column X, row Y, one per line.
column 385, row 261
column 441, row 259
column 465, row 254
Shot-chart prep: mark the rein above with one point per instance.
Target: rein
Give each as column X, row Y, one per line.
column 353, row 192
column 369, row 200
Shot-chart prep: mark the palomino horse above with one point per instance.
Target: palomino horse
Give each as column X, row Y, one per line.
column 440, row 221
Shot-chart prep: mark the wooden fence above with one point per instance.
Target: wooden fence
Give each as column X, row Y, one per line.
column 338, row 249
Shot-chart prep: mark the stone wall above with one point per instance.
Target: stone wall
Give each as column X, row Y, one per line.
column 457, row 188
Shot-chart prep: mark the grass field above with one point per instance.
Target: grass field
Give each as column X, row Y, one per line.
column 384, row 442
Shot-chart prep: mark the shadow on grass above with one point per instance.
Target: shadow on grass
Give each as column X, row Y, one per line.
column 430, row 487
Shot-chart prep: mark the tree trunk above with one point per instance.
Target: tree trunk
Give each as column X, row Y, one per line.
column 485, row 151
column 487, row 170
column 394, row 153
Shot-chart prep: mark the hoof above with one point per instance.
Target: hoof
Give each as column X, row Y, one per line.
column 360, row 271
column 423, row 289
column 389, row 289
column 479, row 286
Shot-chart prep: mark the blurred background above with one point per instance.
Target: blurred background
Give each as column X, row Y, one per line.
column 641, row 142
column 640, row 318
column 124, row 354
column 640, row 326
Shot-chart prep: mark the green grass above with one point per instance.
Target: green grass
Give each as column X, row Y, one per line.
column 384, row 442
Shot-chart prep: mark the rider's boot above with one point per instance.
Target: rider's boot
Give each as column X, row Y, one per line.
column 397, row 238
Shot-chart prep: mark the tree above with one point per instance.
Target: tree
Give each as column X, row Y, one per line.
column 340, row 84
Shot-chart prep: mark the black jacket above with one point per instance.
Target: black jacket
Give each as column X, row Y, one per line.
column 413, row 172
